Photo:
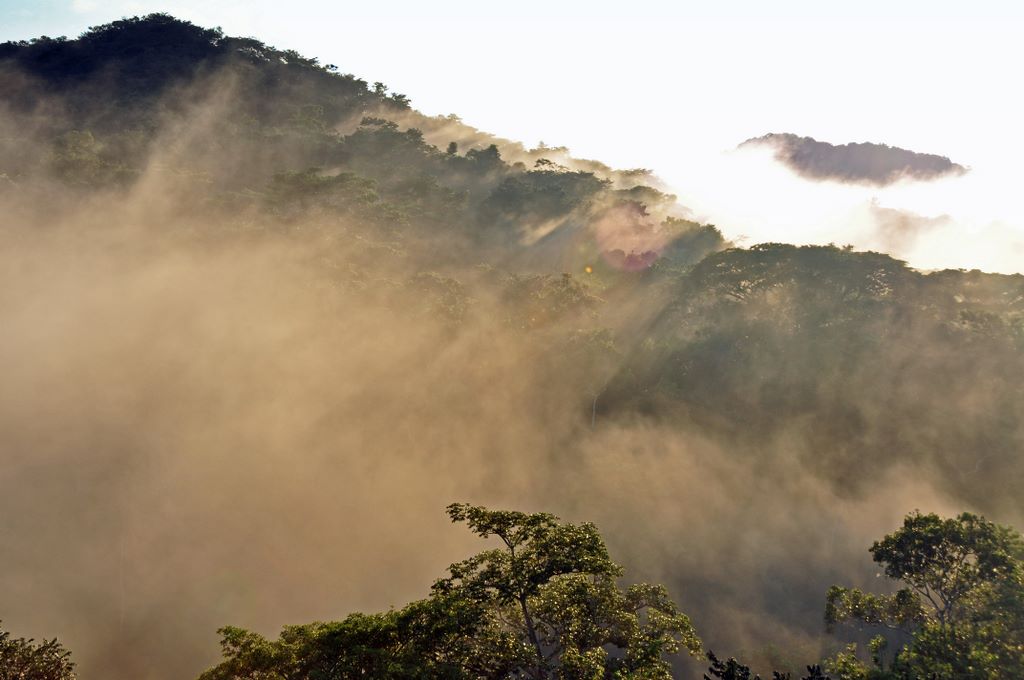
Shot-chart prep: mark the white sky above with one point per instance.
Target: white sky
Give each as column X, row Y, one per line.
column 671, row 85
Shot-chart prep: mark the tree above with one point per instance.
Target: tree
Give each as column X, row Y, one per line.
column 439, row 637
column 544, row 604
column 78, row 158
column 554, row 585
column 734, row 670
column 22, row 659
column 487, row 159
column 293, row 193
column 962, row 605
column 727, row 670
column 947, row 561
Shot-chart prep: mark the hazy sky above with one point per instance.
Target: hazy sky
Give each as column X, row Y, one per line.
column 671, row 85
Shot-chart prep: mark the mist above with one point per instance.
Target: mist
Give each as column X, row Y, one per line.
column 973, row 219
column 199, row 434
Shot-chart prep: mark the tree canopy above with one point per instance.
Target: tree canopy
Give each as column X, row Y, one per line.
column 962, row 603
column 25, row 659
column 543, row 604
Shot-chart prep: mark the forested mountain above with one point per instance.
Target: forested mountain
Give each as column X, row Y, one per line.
column 264, row 320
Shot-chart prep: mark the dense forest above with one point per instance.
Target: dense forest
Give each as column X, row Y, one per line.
column 264, row 321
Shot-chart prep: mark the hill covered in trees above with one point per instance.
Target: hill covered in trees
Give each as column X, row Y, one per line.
column 264, row 318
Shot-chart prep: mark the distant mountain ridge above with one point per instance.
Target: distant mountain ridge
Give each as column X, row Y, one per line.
column 864, row 162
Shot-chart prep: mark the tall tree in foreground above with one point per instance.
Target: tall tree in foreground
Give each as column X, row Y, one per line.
column 542, row 604
column 962, row 604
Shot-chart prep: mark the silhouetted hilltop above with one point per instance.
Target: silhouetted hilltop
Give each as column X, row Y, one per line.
column 133, row 62
column 863, row 162
column 105, row 103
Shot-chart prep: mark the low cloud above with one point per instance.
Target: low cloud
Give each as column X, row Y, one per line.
column 897, row 231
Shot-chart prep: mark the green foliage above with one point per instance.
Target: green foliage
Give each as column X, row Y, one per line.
column 300, row 191
column 845, row 665
column 949, row 562
column 439, row 295
column 434, row 638
column 536, row 549
column 79, row 159
column 544, row 604
column 965, row 601
column 731, row 669
column 379, row 149
column 538, row 194
column 901, row 610
column 540, row 300
column 22, row 659
column 822, row 272
column 553, row 584
column 486, row 159
column 812, row 342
